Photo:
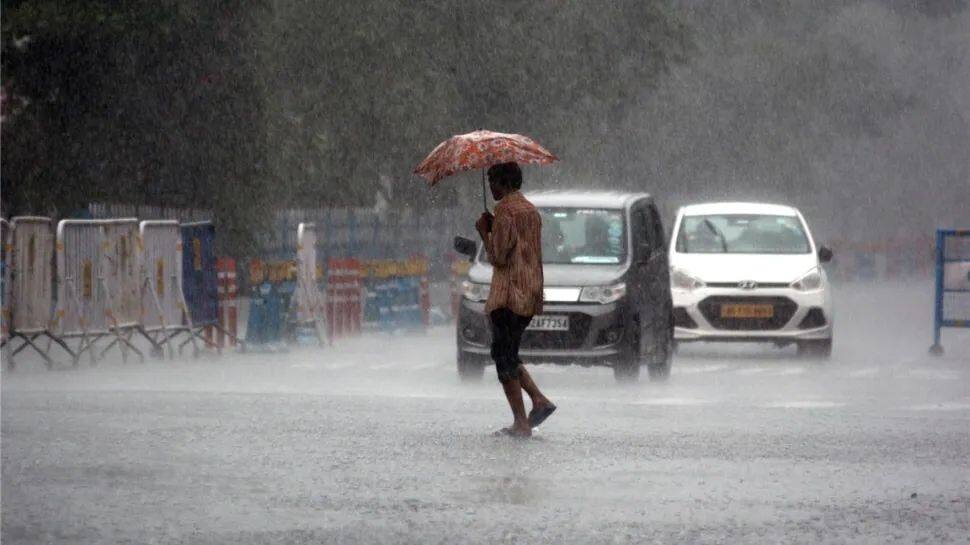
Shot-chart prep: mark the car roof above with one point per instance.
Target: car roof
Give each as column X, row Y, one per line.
column 583, row 199
column 703, row 209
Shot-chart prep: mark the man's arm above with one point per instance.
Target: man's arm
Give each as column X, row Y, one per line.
column 500, row 242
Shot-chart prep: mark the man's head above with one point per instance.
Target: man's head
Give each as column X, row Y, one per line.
column 503, row 179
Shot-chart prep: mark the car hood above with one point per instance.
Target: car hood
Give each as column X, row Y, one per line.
column 560, row 275
column 739, row 267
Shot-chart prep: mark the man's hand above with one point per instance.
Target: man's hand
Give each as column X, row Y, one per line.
column 484, row 224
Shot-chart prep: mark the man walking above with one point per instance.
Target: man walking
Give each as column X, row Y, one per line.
column 512, row 243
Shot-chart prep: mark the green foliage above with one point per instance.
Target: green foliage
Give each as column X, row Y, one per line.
column 142, row 102
column 363, row 90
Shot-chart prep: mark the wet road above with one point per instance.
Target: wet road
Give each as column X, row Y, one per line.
column 376, row 441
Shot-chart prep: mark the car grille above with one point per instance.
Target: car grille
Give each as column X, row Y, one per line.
column 784, row 308
column 757, row 285
column 559, row 340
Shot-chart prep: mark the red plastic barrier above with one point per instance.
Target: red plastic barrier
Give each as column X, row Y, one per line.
column 344, row 305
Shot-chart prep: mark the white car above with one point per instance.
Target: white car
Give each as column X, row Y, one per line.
column 749, row 272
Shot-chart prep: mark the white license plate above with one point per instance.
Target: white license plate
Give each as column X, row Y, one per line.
column 549, row 323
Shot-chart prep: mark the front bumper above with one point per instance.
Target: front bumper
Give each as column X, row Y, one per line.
column 796, row 315
column 596, row 336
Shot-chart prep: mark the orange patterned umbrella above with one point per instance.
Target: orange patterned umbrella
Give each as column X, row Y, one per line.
column 481, row 149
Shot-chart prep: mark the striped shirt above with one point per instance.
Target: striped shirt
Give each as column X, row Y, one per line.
column 515, row 252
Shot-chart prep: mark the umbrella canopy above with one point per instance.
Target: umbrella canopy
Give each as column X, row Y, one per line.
column 481, row 149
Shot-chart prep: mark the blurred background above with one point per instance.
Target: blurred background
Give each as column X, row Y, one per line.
column 854, row 111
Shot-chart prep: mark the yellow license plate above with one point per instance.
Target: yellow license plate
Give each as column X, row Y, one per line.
column 747, row 311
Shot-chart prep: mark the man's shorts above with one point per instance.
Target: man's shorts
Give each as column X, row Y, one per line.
column 507, row 329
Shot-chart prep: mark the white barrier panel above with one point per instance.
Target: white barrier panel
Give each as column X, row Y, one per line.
column 97, row 283
column 97, row 276
column 5, row 251
column 33, row 273
column 309, row 300
column 81, row 304
column 162, row 303
column 122, row 269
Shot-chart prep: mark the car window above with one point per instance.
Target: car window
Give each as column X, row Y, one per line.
column 583, row 235
column 591, row 236
column 742, row 234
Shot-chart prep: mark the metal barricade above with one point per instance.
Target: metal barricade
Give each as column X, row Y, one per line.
column 307, row 306
column 199, row 276
column 164, row 313
column 209, row 287
column 97, row 284
column 5, row 250
column 952, row 294
column 30, row 291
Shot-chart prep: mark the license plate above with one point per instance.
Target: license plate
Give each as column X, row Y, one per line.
column 747, row 311
column 549, row 323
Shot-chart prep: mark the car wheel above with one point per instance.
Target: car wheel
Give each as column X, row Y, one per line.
column 470, row 369
column 659, row 368
column 627, row 368
column 818, row 349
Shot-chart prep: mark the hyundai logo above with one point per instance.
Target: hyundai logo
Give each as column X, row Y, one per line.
column 747, row 284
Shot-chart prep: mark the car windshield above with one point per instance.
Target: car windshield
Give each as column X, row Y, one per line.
column 742, row 234
column 587, row 236
column 583, row 235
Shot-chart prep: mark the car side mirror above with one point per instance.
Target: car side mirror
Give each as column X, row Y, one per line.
column 466, row 246
column 824, row 254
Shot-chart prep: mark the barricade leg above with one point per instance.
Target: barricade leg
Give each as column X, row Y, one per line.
column 156, row 350
column 51, row 338
column 28, row 342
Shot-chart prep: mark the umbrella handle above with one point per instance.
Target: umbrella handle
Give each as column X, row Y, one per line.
column 484, row 198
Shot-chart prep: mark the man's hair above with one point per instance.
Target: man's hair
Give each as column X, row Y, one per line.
column 506, row 174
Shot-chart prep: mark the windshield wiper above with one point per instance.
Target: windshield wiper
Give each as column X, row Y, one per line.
column 707, row 223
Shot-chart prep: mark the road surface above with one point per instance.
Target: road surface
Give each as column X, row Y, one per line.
column 376, row 441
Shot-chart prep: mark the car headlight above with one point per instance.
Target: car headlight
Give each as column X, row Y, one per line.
column 682, row 280
column 811, row 281
column 475, row 292
column 602, row 294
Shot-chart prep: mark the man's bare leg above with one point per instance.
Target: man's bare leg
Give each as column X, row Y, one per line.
column 513, row 393
column 542, row 408
column 529, row 385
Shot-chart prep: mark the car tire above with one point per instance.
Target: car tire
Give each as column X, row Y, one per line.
column 815, row 349
column 627, row 367
column 470, row 369
column 660, row 372
column 627, row 370
column 659, row 368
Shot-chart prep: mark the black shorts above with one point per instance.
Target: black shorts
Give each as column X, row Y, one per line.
column 507, row 329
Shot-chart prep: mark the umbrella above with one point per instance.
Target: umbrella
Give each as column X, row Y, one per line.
column 481, row 149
